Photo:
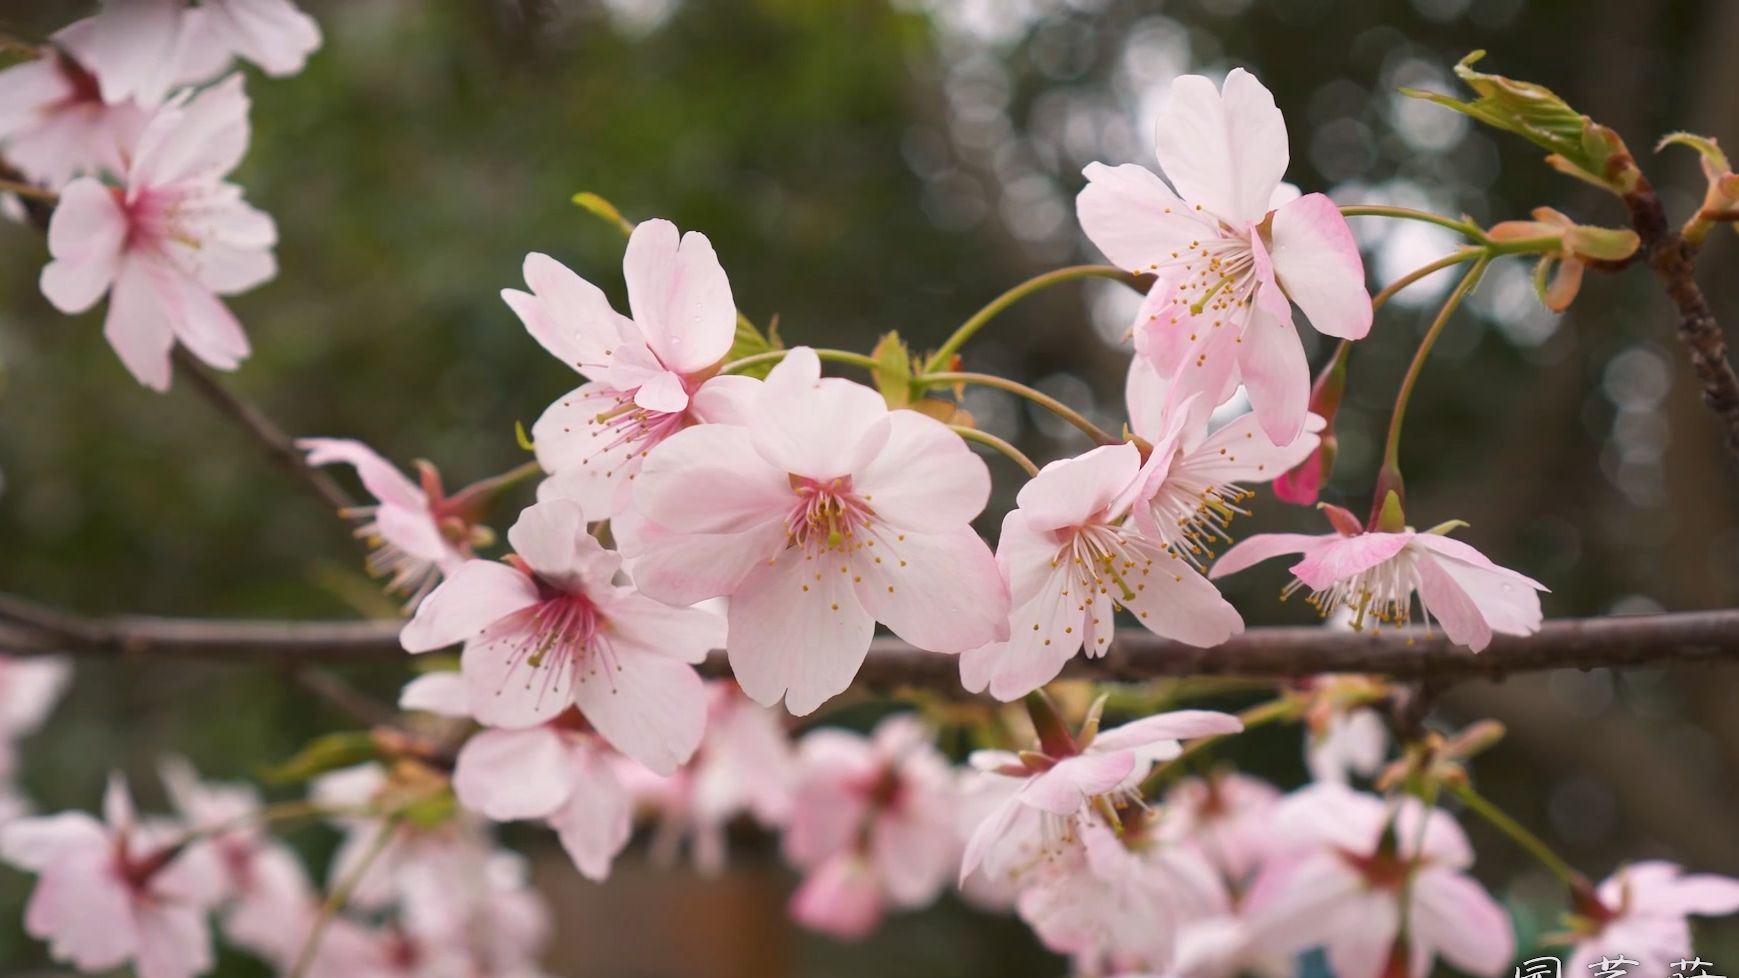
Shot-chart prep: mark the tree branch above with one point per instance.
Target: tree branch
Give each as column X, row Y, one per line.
column 1671, row 257
column 1280, row 653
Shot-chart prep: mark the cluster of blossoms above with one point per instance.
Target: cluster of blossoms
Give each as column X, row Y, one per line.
column 690, row 505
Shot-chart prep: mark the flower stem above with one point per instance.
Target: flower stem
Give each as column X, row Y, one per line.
column 1501, row 820
column 955, row 341
column 1447, row 261
column 1467, row 228
column 986, row 438
column 1276, row 710
column 774, row 356
column 1392, row 449
column 31, row 190
column 340, row 895
column 1040, row 398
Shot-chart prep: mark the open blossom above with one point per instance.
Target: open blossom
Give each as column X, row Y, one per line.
column 1190, row 485
column 1641, row 910
column 54, row 124
column 1227, row 817
column 819, row 516
column 107, row 894
column 142, row 49
column 1072, row 558
column 1233, row 247
column 29, row 689
column 1059, row 784
column 550, row 630
column 168, row 243
column 1374, row 576
column 1353, row 876
column 417, row 532
column 647, row 377
column 1344, row 733
column 872, row 825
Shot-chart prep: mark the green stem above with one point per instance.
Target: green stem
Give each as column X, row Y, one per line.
column 340, row 895
column 1447, row 261
column 774, row 356
column 1501, row 820
column 1466, row 228
column 1392, row 449
column 1040, row 398
column 1262, row 714
column 955, row 341
column 986, row 438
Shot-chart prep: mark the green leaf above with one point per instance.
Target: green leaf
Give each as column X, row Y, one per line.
column 751, row 342
column 328, row 752
column 604, row 211
column 431, row 811
column 893, row 373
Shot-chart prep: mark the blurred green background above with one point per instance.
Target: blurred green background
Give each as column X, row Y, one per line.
column 865, row 166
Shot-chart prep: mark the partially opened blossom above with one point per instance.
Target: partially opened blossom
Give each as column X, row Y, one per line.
column 549, row 630
column 1058, row 783
column 417, row 532
column 1642, row 911
column 1233, row 247
column 1227, row 817
column 1374, row 576
column 114, row 891
column 1344, row 733
column 1191, row 483
column 872, row 825
column 141, row 50
column 1072, row 558
column 165, row 245
column 822, row 514
column 1360, row 868
column 29, row 689
column 54, row 124
column 647, row 377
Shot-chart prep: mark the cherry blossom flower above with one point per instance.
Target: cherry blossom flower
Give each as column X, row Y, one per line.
column 872, row 823
column 1189, row 488
column 823, row 514
column 1224, row 816
column 107, row 894
column 1374, row 576
column 1058, row 783
column 1355, row 874
column 1233, row 247
column 164, row 247
column 1344, row 734
column 648, row 377
column 550, row 630
column 1071, row 559
column 1641, row 910
column 270, row 901
column 29, row 689
column 498, row 926
column 142, row 49
column 54, row 124
column 418, row 533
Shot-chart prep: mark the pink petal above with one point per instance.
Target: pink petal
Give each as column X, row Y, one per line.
column 1044, row 633
column 915, row 856
column 477, row 595
column 939, row 591
column 663, row 392
column 1071, row 491
column 1317, row 262
column 1264, row 546
column 1454, row 609
column 1174, row 601
column 741, row 492
column 653, row 627
column 650, row 707
column 681, row 299
column 85, row 236
column 508, row 689
column 569, row 316
column 1276, row 376
column 1066, row 787
column 174, row 942
column 442, row 693
column 1224, row 149
column 725, row 399
column 1241, row 452
column 595, row 824
column 925, row 477
column 1338, row 558
column 138, row 328
column 512, row 774
column 84, row 912
column 132, row 44
column 840, row 899
column 820, row 427
column 36, row 843
column 379, row 477
column 1454, row 916
column 796, row 633
column 683, row 568
column 1176, row 725
column 591, row 460
column 271, row 33
column 1707, row 895
column 1509, row 602
column 1134, row 218
column 551, row 536
column 193, row 140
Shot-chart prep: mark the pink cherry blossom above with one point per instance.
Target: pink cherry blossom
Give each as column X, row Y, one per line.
column 1375, row 575
column 1056, row 788
column 1355, row 874
column 142, row 49
column 1190, row 488
column 29, row 689
column 648, row 377
column 54, row 124
column 1233, row 247
column 107, row 894
column 1344, row 734
column 1072, row 558
column 417, row 533
column 1226, row 817
column 496, row 927
column 165, row 246
column 872, row 823
column 819, row 516
column 550, row 630
column 1641, row 911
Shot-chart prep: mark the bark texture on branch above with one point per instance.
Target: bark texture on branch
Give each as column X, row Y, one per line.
column 1616, row 643
column 1672, row 258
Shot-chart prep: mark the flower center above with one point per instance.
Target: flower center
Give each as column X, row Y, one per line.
column 827, row 516
column 1106, row 561
column 1193, row 513
column 1214, row 279
column 557, row 643
column 624, row 422
column 1380, row 595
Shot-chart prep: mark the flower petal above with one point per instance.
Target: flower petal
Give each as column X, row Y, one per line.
column 1224, row 149
column 1317, row 262
column 1276, row 376
column 1135, row 219
column 595, row 824
column 925, row 477
column 938, row 591
column 1251, row 551
column 513, row 774
column 477, row 595
column 650, row 707
column 680, row 296
column 796, row 633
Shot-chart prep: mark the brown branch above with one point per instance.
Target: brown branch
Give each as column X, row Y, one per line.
column 1617, row 643
column 1673, row 261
